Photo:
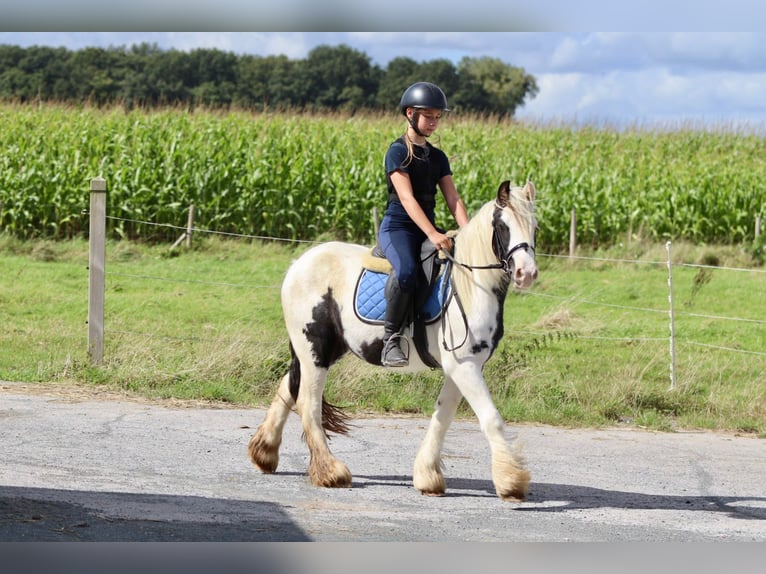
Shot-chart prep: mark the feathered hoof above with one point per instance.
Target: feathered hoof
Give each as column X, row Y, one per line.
column 514, row 488
column 263, row 454
column 510, row 477
column 430, row 482
column 330, row 474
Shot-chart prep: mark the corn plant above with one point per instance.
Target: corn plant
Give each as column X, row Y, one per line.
column 303, row 176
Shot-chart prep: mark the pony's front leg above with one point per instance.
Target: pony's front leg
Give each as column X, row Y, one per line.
column 427, row 474
column 509, row 476
column 324, row 468
column 264, row 444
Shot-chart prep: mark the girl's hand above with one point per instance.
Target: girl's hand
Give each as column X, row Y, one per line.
column 440, row 241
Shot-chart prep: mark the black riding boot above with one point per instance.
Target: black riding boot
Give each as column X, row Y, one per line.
column 398, row 305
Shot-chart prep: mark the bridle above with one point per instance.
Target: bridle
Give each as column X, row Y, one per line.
column 505, row 262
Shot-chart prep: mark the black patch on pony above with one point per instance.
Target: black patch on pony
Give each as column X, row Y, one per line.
column 371, row 352
column 478, row 348
column 500, row 291
column 328, row 345
column 325, row 333
column 501, row 235
column 294, row 374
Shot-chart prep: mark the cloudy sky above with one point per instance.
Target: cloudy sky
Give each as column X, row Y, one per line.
column 660, row 78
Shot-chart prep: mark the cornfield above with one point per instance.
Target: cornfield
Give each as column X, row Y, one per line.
column 301, row 176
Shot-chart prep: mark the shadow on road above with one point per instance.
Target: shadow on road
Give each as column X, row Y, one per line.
column 37, row 514
column 585, row 497
column 574, row 497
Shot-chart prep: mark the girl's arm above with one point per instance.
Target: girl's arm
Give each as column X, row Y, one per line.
column 455, row 204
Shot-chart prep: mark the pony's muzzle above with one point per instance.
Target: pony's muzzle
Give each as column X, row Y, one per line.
column 525, row 275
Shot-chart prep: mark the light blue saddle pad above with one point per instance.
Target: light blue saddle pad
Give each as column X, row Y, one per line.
column 370, row 300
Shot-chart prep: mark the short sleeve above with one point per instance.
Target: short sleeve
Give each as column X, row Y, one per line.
column 444, row 165
column 396, row 157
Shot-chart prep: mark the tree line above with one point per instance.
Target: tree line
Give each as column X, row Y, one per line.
column 330, row 78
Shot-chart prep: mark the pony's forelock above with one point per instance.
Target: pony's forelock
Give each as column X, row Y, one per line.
column 520, row 202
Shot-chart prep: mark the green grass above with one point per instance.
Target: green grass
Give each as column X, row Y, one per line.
column 588, row 345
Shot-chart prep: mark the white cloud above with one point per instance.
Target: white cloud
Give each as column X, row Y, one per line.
column 612, row 51
column 650, row 97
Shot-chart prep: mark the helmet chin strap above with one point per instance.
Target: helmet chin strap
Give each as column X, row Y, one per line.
column 413, row 121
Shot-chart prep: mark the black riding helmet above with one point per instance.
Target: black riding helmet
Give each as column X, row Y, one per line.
column 422, row 95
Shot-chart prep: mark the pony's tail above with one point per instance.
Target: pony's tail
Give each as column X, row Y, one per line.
column 334, row 418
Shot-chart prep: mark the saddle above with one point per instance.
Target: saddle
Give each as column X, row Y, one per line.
column 431, row 297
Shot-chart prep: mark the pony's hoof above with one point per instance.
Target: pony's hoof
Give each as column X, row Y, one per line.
column 335, row 482
column 432, row 492
column 429, row 481
column 515, row 489
column 263, row 455
column 510, row 477
column 332, row 475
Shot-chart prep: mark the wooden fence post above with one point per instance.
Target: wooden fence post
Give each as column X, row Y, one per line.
column 187, row 235
column 96, row 270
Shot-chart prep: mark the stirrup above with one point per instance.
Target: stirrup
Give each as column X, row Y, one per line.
column 392, row 355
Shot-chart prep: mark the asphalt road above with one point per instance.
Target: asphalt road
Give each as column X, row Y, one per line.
column 99, row 467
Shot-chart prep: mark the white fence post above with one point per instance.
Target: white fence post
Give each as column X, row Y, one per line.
column 96, row 270
column 189, row 226
column 672, row 320
column 573, row 233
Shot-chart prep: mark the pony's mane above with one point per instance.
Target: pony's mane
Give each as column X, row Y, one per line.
column 474, row 241
column 475, row 237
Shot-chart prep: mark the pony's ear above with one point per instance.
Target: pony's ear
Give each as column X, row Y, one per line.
column 503, row 193
column 530, row 190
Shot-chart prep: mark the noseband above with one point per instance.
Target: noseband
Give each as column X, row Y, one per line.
column 506, row 263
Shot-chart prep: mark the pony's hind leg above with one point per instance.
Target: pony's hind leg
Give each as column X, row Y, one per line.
column 427, row 474
column 324, row 468
column 264, row 444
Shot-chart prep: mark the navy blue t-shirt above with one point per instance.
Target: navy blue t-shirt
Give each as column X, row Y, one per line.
column 425, row 169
